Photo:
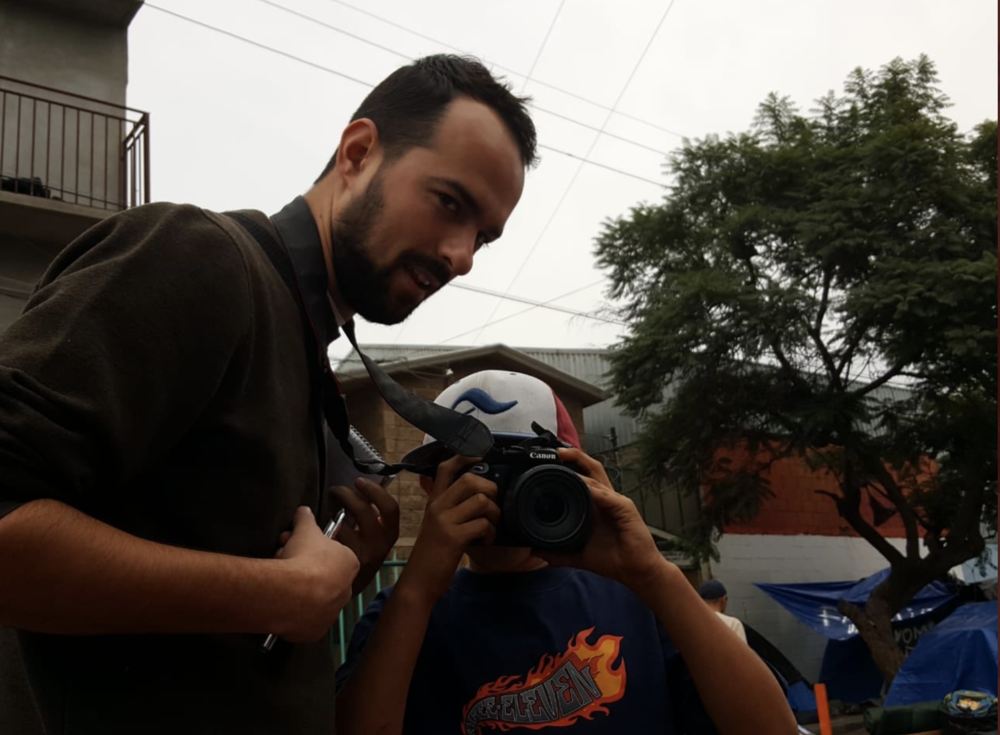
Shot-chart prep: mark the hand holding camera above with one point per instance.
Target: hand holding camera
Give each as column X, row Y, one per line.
column 459, row 512
column 620, row 546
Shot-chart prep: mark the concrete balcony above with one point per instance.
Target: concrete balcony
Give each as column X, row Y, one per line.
column 66, row 162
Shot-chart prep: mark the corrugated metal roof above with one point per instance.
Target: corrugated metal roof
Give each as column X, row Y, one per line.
column 391, row 353
column 589, row 365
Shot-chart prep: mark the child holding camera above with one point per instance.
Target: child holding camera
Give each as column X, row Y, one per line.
column 609, row 638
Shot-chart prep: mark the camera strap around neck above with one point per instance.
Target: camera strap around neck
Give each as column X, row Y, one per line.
column 462, row 434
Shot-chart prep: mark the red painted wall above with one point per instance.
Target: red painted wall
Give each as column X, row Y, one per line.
column 797, row 509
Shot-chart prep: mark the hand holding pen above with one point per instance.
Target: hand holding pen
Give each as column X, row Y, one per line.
column 331, row 531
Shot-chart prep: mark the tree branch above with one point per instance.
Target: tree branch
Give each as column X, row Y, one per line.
column 966, row 529
column 877, row 470
column 850, row 511
column 793, row 374
column 852, row 345
column 815, row 331
column 882, row 379
column 824, row 300
column 825, row 356
column 772, row 340
column 932, row 541
column 827, row 493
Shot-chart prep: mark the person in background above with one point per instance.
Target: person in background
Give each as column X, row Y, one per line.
column 713, row 592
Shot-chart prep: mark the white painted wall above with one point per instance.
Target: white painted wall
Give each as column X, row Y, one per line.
column 786, row 559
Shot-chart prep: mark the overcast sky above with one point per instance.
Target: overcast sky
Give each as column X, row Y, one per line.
column 238, row 126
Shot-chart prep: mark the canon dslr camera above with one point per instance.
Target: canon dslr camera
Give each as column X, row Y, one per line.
column 543, row 502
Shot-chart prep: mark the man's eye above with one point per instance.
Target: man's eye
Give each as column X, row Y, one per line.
column 449, row 202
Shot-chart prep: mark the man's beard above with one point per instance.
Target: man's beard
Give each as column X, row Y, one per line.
column 365, row 287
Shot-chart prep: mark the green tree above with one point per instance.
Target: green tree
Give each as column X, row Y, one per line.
column 793, row 277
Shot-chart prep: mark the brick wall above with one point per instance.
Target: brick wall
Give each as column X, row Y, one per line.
column 797, row 508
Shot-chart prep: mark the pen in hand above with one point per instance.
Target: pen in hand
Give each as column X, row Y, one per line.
column 330, row 532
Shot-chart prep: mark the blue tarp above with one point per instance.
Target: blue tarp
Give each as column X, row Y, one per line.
column 801, row 698
column 815, row 604
column 960, row 653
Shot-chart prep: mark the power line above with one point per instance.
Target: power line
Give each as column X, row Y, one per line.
column 604, row 166
column 535, row 304
column 407, row 57
column 622, row 138
column 579, row 168
column 506, row 69
column 259, row 45
column 544, row 304
column 370, row 85
column 527, row 77
column 547, row 304
column 336, row 29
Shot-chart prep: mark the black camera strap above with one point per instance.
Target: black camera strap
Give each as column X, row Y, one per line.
column 462, row 434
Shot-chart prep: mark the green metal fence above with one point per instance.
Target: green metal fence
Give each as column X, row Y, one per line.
column 661, row 505
column 340, row 635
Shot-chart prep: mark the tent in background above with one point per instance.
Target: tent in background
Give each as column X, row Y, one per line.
column 815, row 603
column 848, row 670
column 798, row 690
column 960, row 653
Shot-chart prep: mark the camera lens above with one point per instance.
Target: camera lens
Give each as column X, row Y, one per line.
column 549, row 507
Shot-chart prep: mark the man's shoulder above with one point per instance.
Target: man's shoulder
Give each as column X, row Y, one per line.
column 199, row 222
column 178, row 235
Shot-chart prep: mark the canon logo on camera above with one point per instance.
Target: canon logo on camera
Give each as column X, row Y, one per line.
column 543, row 455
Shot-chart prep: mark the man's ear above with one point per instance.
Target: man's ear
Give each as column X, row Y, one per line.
column 359, row 149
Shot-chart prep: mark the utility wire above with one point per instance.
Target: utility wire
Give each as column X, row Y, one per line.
column 527, row 77
column 407, row 57
column 536, row 304
column 506, row 69
column 544, row 304
column 579, row 168
column 581, row 159
column 259, row 45
column 370, row 85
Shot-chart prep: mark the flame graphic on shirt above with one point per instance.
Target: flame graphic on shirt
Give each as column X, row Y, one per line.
column 579, row 683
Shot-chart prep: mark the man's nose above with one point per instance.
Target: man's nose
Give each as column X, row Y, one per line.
column 458, row 250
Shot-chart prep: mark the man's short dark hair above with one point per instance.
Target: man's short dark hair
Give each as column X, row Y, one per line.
column 408, row 104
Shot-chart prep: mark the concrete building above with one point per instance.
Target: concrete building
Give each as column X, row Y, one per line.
column 71, row 153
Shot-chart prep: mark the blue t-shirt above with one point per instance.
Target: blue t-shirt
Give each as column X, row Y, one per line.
column 552, row 648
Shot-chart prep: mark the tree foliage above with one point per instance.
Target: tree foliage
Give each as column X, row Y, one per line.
column 824, row 286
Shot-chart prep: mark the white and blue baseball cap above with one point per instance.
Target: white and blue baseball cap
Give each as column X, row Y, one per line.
column 507, row 403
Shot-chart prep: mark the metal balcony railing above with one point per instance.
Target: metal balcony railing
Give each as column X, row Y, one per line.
column 64, row 146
